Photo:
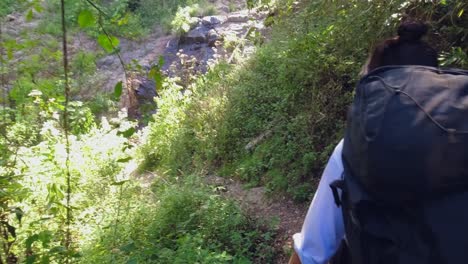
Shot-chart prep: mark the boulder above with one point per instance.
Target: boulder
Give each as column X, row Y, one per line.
column 238, row 18
column 108, row 62
column 212, row 37
column 197, row 46
column 146, row 90
column 212, row 20
column 235, row 29
column 10, row 18
column 197, row 35
column 224, row 9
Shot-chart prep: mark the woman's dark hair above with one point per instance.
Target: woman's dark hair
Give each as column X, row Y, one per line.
column 405, row 49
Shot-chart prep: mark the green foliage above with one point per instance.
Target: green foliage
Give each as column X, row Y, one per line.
column 83, row 63
column 40, row 183
column 183, row 19
column 456, row 56
column 171, row 107
column 81, row 118
column 163, row 12
column 255, row 3
column 206, row 229
column 272, row 120
column 275, row 119
column 107, row 42
column 6, row 7
column 102, row 104
column 86, row 19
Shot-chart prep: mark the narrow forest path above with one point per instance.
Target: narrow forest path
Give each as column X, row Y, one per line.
column 281, row 209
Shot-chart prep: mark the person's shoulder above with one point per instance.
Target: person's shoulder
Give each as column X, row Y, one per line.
column 338, row 150
column 336, row 157
column 339, row 147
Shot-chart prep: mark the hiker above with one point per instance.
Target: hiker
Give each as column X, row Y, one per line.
column 394, row 188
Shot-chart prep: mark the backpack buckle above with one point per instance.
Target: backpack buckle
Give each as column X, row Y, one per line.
column 335, row 185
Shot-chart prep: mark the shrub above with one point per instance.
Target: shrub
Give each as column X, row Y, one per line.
column 6, row 7
column 183, row 19
column 288, row 102
column 183, row 222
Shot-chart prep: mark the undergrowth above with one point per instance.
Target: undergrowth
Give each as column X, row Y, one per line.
column 112, row 217
column 274, row 119
column 181, row 222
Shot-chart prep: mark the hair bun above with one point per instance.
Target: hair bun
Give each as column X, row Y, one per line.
column 412, row 30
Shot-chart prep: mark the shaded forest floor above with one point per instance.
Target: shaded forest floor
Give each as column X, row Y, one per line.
column 285, row 215
column 279, row 212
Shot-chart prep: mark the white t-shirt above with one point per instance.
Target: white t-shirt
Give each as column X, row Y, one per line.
column 323, row 227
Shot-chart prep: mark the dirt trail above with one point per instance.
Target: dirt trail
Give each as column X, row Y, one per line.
column 257, row 203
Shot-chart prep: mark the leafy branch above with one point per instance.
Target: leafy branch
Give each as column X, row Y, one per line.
column 107, row 41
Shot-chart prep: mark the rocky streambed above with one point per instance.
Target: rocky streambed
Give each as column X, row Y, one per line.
column 211, row 38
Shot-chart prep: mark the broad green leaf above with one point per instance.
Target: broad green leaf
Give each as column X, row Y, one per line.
column 11, row 46
column 19, row 214
column 250, row 4
column 119, row 182
column 156, row 74
column 461, row 12
column 45, row 237
column 29, row 15
column 124, row 159
column 118, row 90
column 30, row 240
column 127, row 146
column 127, row 133
column 10, row 54
column 124, row 20
column 108, row 42
column 38, row 7
column 86, row 19
column 161, row 61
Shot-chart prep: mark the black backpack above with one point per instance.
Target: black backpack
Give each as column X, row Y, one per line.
column 404, row 194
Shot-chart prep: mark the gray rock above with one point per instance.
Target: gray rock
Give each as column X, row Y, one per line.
column 197, row 35
column 238, row 18
column 235, row 29
column 212, row 20
column 107, row 61
column 10, row 18
column 197, row 46
column 212, row 37
column 19, row 54
column 146, row 90
column 11, row 32
column 224, row 9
